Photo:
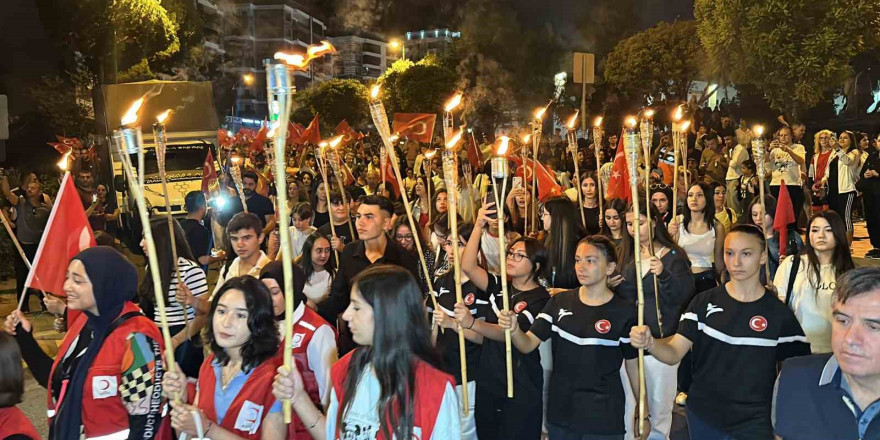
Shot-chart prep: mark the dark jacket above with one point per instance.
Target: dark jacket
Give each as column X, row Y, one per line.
column 676, row 291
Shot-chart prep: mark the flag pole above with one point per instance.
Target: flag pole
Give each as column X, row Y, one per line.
column 647, row 132
column 499, row 171
column 332, row 156
column 571, row 136
column 758, row 154
column 21, row 253
column 598, row 132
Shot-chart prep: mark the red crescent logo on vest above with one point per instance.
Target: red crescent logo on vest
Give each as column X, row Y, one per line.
column 469, row 299
column 104, row 385
column 603, row 326
column 520, row 306
column 758, row 323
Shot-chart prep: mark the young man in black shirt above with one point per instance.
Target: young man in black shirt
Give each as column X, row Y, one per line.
column 197, row 235
column 373, row 247
column 739, row 334
column 256, row 203
column 341, row 223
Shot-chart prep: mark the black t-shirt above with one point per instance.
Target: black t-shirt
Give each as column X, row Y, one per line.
column 736, row 349
column 320, row 218
column 198, row 237
column 447, row 341
column 591, row 215
column 342, row 232
column 589, row 345
column 261, row 206
column 528, row 376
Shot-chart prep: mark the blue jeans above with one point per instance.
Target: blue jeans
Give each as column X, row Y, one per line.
column 699, row 430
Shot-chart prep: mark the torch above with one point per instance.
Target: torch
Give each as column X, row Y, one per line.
column 631, row 145
column 647, row 136
column 235, row 171
column 537, row 127
column 428, row 165
column 598, row 133
column 332, row 156
column 161, row 138
column 128, row 139
column 499, row 171
column 380, row 120
column 450, row 174
column 523, row 152
column 279, row 88
column 758, row 154
column 322, row 167
column 679, row 144
column 571, row 136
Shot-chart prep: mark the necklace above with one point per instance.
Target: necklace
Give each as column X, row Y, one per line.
column 227, row 373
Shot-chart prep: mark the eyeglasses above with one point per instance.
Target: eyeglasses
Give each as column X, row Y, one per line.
column 659, row 186
column 403, row 237
column 516, row 257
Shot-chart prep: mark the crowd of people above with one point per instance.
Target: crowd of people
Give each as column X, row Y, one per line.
column 758, row 332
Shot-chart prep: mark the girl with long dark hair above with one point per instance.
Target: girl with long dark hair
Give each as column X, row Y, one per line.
column 317, row 264
column 845, row 157
column 589, row 327
column 187, row 295
column 498, row 417
column 561, row 222
column 234, row 398
column 806, row 282
column 590, row 194
column 388, row 387
column 320, row 202
column 420, row 200
column 612, row 226
column 701, row 236
column 670, row 265
column 738, row 333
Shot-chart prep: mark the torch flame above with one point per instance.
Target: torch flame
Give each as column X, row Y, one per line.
column 454, row 141
column 452, row 103
column 678, row 113
column 527, row 138
column 318, row 50
column 301, row 61
column 430, row 153
column 759, row 130
column 163, row 116
column 631, row 122
column 235, row 160
column 685, row 125
column 649, row 113
column 374, row 92
column 63, row 163
column 539, row 113
column 131, row 116
column 393, row 138
column 503, row 146
column 598, row 122
column 334, row 142
column 572, row 122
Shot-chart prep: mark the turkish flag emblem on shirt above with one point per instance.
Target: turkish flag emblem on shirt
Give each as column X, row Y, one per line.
column 603, row 326
column 416, row 126
column 758, row 323
column 67, row 233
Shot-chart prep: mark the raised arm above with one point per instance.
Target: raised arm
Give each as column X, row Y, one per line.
column 469, row 263
column 4, row 186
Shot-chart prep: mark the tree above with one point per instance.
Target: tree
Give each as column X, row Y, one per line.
column 792, row 50
column 420, row 87
column 334, row 100
column 660, row 62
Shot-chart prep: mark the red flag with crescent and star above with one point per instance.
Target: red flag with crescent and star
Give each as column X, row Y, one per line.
column 547, row 185
column 618, row 183
column 312, row 133
column 209, row 174
column 66, row 144
column 348, row 134
column 415, row 126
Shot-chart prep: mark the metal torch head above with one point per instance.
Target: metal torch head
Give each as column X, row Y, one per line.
column 279, row 89
column 499, row 167
column 128, row 140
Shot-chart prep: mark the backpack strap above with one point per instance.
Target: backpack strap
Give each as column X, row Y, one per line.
column 795, row 264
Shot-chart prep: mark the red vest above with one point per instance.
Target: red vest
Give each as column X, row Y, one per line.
column 14, row 422
column 430, row 383
column 245, row 415
column 303, row 332
column 103, row 413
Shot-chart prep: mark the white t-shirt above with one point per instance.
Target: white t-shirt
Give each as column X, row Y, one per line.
column 234, row 271
column 317, row 287
column 298, row 238
column 810, row 304
column 362, row 420
column 784, row 167
column 739, row 155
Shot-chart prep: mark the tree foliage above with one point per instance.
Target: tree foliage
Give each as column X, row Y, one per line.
column 420, row 87
column 660, row 61
column 792, row 50
column 334, row 100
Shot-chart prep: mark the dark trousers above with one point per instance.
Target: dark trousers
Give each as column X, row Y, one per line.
column 699, row 430
column 21, row 273
column 797, row 198
column 559, row 433
column 500, row 418
column 872, row 217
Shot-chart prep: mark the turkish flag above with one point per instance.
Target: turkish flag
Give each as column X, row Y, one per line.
column 388, row 171
column 67, row 233
column 475, row 157
column 547, row 185
column 294, row 132
column 209, row 174
column 348, row 134
column 784, row 216
column 618, row 184
column 312, row 133
column 259, row 141
column 223, row 138
column 416, row 126
column 66, row 144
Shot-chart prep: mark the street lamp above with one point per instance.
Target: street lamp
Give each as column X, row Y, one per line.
column 396, row 44
column 247, row 79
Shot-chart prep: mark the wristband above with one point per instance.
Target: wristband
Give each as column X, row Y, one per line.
column 316, row 422
column 473, row 321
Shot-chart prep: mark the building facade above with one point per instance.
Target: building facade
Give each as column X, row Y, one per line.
column 362, row 56
column 424, row 42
